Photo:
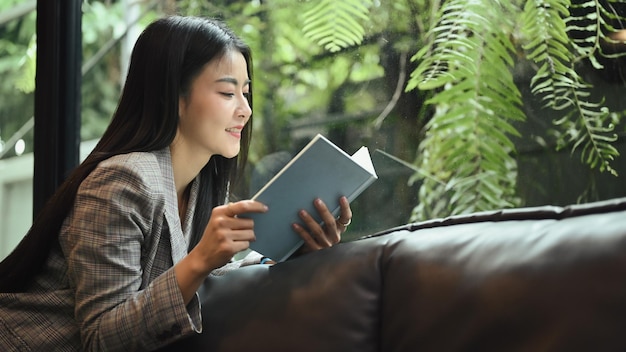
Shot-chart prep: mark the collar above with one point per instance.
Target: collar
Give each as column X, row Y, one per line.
column 178, row 240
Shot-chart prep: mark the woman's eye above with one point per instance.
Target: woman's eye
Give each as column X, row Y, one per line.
column 229, row 95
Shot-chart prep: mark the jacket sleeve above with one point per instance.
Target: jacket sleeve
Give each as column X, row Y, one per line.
column 108, row 241
column 250, row 259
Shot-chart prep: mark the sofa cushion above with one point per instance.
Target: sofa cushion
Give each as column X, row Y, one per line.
column 322, row 301
column 537, row 279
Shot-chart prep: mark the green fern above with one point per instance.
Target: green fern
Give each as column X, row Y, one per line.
column 590, row 129
column 467, row 145
column 585, row 124
column 542, row 20
column 335, row 24
column 465, row 65
column 594, row 21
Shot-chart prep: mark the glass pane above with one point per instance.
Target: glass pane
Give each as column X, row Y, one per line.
column 361, row 83
column 17, row 72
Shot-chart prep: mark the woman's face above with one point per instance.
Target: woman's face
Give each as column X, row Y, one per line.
column 216, row 109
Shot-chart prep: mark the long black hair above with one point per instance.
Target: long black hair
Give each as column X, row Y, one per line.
column 168, row 55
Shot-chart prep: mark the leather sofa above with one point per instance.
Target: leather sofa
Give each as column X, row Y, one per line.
column 529, row 279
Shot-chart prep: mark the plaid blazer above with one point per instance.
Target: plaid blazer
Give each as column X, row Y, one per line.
column 109, row 283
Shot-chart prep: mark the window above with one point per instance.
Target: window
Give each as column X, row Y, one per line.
column 464, row 126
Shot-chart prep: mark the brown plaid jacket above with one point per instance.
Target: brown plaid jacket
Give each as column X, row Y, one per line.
column 109, row 284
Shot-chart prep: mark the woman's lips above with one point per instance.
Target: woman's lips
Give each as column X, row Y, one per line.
column 234, row 131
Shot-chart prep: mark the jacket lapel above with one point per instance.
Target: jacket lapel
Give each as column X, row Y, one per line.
column 177, row 239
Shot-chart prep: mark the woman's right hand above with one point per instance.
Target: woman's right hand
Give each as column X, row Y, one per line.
column 225, row 235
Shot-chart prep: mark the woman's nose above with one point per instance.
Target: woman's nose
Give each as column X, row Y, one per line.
column 244, row 109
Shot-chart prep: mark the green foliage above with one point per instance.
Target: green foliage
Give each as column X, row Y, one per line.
column 472, row 48
column 336, row 24
column 101, row 23
column 27, row 68
column 586, row 124
column 17, row 77
column 467, row 148
column 296, row 82
column 318, row 61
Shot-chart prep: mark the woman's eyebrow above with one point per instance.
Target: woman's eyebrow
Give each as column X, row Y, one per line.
column 232, row 80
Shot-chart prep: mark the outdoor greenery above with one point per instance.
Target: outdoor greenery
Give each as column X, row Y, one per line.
column 467, row 61
column 17, row 79
column 18, row 66
column 447, row 86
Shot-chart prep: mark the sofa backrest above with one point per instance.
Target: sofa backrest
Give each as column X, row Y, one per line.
column 534, row 279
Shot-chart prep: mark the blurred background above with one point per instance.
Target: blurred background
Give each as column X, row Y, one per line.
column 366, row 72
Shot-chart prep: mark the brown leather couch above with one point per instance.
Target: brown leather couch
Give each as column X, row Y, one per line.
column 531, row 279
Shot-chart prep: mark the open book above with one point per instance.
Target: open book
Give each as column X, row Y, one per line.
column 320, row 170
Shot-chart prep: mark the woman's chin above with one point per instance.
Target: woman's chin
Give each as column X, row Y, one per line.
column 230, row 155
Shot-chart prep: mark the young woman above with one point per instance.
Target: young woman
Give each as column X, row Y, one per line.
column 114, row 260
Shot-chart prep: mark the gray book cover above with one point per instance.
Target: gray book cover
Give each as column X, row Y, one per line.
column 320, row 170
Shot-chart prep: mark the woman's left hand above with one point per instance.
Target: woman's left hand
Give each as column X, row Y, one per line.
column 318, row 236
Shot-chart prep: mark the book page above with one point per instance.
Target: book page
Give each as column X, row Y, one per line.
column 362, row 157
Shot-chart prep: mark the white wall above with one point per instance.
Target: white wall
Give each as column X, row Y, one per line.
column 16, row 197
column 16, row 200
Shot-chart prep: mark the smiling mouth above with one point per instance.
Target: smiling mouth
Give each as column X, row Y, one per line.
column 234, row 131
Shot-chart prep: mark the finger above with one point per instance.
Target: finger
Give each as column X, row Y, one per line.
column 326, row 216
column 222, row 217
column 240, row 223
column 231, row 229
column 315, row 230
column 331, row 231
column 242, row 235
column 309, row 241
column 345, row 214
column 245, row 206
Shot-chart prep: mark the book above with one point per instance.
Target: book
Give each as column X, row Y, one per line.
column 320, row 170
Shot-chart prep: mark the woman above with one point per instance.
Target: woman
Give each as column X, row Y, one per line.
column 114, row 260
